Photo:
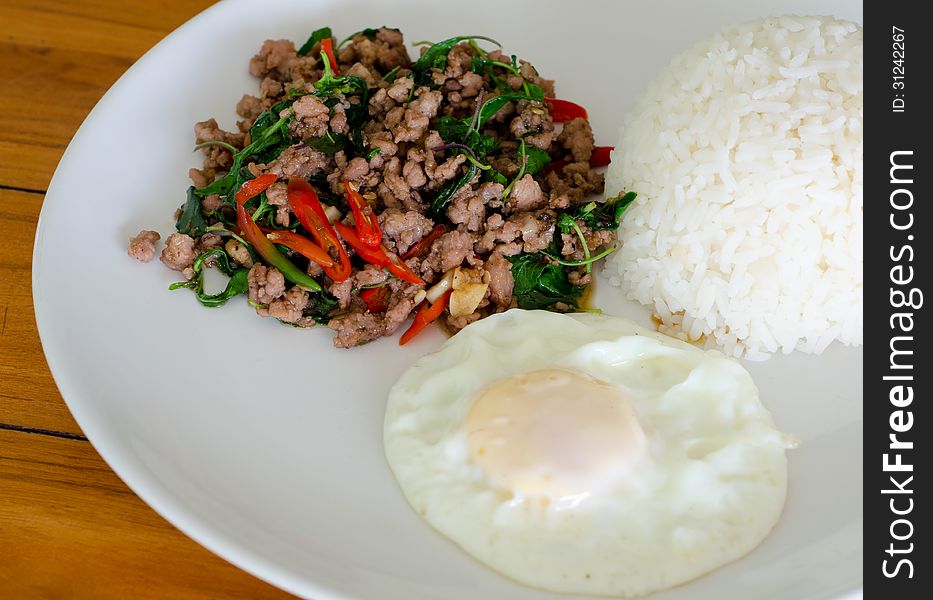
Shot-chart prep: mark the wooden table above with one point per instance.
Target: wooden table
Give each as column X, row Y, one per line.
column 69, row 528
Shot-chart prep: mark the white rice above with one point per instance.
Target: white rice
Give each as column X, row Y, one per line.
column 746, row 154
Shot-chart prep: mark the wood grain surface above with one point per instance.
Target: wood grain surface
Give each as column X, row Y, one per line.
column 69, row 528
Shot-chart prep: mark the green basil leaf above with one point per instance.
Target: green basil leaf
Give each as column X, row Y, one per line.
column 369, row 33
column 330, row 143
column 329, row 85
column 495, row 104
column 320, row 306
column 540, row 284
column 604, row 215
column 436, row 56
column 319, row 34
column 392, row 75
column 535, row 158
column 191, row 221
column 238, row 283
column 443, row 198
column 269, row 135
column 458, row 131
column 453, row 131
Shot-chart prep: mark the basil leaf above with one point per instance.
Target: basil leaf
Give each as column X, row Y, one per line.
column 533, row 91
column 320, row 306
column 329, row 85
column 392, row 75
column 238, row 283
column 540, row 284
column 443, row 198
column 457, row 131
column 319, row 34
column 330, row 143
column 453, row 131
column 269, row 135
column 604, row 215
column 495, row 177
column 495, row 104
column 191, row 221
column 221, row 261
column 535, row 159
column 436, row 56
column 369, row 33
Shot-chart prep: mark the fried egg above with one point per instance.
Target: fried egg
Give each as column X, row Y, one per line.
column 585, row 454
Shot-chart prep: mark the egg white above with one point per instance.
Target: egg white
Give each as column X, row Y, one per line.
column 709, row 488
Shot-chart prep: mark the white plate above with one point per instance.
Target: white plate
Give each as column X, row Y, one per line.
column 262, row 442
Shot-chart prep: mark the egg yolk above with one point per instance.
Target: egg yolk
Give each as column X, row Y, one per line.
column 553, row 433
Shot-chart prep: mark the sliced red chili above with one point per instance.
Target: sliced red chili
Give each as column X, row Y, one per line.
column 260, row 243
column 398, row 268
column 378, row 256
column 374, row 256
column 426, row 315
column 565, row 110
column 425, row 243
column 301, row 245
column 376, row 298
column 367, row 224
column 305, row 204
column 327, row 47
column 254, row 187
column 600, row 156
column 304, row 193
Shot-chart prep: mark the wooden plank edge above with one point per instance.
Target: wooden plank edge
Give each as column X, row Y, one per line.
column 14, row 188
column 36, row 431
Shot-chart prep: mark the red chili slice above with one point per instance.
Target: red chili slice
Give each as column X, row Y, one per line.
column 371, row 255
column 376, row 298
column 327, row 47
column 378, row 256
column 426, row 315
column 397, row 267
column 260, row 243
column 425, row 243
column 367, row 224
column 600, row 156
column 305, row 204
column 301, row 245
column 254, row 187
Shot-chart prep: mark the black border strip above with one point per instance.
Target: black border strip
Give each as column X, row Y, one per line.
column 897, row 267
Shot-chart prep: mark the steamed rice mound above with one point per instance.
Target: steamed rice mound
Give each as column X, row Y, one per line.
column 746, row 154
